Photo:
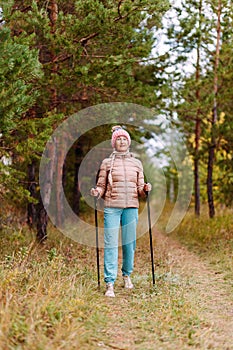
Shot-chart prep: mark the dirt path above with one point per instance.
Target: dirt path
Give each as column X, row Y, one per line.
column 213, row 299
column 215, row 296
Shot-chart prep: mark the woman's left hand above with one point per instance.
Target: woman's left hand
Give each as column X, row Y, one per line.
column 147, row 187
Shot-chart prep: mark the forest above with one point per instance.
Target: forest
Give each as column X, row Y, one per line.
column 69, row 71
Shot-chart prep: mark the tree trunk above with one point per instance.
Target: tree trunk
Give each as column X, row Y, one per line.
column 42, row 216
column 49, row 171
column 197, row 145
column 59, row 184
column 210, row 182
column 197, row 186
column 53, row 15
column 42, row 222
column 212, row 146
column 46, row 180
column 77, row 194
column 31, row 212
column 198, row 123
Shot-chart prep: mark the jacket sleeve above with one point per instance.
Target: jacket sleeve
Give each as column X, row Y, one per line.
column 102, row 178
column 140, row 180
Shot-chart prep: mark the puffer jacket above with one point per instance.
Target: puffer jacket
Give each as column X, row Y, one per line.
column 127, row 181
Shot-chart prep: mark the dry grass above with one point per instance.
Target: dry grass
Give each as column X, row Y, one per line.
column 49, row 297
column 212, row 239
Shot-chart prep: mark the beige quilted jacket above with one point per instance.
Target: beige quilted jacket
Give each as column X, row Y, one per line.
column 127, row 181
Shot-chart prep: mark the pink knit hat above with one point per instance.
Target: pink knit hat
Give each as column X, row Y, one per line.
column 118, row 131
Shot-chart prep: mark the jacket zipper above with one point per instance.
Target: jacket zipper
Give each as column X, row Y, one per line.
column 126, row 196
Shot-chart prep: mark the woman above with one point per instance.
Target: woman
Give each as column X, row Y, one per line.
column 120, row 182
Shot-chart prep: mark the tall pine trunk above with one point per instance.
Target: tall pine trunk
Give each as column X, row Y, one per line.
column 47, row 179
column 77, row 194
column 42, row 216
column 31, row 211
column 196, row 168
column 53, row 15
column 59, row 215
column 42, row 222
column 212, row 145
column 197, row 123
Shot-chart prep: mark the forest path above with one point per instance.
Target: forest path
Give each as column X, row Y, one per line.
column 214, row 294
column 132, row 325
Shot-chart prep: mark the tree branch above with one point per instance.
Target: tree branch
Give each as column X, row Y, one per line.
column 84, row 40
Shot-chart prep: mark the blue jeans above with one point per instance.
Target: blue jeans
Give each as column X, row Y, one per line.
column 113, row 218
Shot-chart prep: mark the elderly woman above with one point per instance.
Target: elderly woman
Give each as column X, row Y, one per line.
column 120, row 183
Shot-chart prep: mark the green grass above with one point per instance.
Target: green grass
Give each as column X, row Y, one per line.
column 49, row 297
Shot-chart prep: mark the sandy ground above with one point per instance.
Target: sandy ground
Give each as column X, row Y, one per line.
column 215, row 295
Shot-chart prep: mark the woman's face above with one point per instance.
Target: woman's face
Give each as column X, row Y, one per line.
column 121, row 144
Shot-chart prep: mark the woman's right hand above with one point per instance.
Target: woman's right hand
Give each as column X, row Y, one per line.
column 147, row 187
column 95, row 192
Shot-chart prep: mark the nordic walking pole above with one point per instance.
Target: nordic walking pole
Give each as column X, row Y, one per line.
column 150, row 234
column 97, row 242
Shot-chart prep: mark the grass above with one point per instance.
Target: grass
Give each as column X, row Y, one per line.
column 212, row 238
column 49, row 297
column 47, row 305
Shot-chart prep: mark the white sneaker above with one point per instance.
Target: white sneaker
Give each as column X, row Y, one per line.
column 127, row 282
column 109, row 290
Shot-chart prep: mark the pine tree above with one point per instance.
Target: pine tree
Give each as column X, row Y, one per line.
column 214, row 118
column 188, row 37
column 20, row 71
column 91, row 52
column 199, row 94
